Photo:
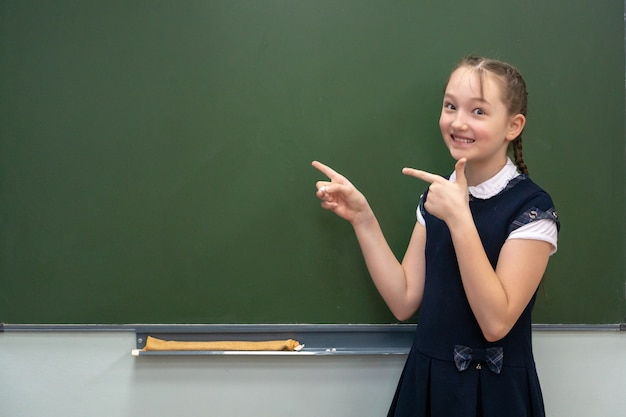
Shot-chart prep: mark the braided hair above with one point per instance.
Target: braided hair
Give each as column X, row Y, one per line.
column 514, row 93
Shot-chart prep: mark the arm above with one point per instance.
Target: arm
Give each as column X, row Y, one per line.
column 497, row 297
column 400, row 284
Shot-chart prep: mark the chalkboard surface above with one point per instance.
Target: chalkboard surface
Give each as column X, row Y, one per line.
column 155, row 155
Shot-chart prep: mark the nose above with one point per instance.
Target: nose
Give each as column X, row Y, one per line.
column 458, row 123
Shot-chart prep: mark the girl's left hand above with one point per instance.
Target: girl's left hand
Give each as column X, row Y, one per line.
column 446, row 200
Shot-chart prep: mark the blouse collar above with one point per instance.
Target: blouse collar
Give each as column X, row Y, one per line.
column 495, row 184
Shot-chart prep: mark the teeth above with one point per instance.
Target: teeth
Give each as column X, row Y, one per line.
column 463, row 140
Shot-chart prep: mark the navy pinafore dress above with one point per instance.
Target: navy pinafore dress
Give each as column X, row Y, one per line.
column 431, row 384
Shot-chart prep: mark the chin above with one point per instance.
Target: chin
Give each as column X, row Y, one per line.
column 457, row 154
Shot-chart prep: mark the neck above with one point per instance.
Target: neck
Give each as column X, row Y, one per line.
column 477, row 172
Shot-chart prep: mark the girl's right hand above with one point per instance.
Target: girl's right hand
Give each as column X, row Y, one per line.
column 340, row 196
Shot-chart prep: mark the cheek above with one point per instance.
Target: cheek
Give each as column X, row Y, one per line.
column 443, row 124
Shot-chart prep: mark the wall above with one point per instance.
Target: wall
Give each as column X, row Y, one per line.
column 62, row 374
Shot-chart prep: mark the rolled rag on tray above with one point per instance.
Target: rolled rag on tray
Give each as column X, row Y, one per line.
column 153, row 344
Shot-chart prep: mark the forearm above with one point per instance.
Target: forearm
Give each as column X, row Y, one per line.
column 387, row 273
column 484, row 290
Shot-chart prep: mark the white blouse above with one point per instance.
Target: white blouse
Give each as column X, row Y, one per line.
column 544, row 229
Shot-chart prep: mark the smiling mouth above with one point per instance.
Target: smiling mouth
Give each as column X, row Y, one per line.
column 462, row 140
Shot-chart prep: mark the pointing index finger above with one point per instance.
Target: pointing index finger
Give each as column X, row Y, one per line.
column 325, row 169
column 422, row 175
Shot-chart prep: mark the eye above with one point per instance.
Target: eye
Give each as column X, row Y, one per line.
column 479, row 111
column 449, row 106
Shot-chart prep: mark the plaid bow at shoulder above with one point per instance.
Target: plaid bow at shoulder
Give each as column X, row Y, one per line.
column 493, row 356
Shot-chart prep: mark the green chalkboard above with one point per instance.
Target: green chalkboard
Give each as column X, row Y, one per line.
column 155, row 155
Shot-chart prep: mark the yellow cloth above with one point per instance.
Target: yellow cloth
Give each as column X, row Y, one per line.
column 152, row 343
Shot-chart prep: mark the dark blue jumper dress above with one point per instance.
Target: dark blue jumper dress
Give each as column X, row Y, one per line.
column 432, row 384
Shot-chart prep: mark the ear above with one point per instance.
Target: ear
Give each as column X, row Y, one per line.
column 516, row 125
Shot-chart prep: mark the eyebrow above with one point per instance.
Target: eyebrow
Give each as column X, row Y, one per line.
column 479, row 99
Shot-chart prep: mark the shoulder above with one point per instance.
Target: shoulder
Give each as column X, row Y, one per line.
column 524, row 185
column 534, row 203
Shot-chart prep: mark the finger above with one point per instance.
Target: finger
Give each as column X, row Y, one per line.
column 326, row 170
column 325, row 190
column 324, row 187
column 459, row 169
column 422, row 175
column 327, row 205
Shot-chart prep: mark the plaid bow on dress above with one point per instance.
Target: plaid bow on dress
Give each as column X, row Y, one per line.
column 493, row 356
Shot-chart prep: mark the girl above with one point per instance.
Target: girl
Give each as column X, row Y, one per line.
column 477, row 254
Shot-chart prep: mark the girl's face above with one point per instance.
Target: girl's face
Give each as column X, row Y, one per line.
column 475, row 123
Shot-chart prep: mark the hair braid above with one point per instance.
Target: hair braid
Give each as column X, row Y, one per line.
column 517, row 154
